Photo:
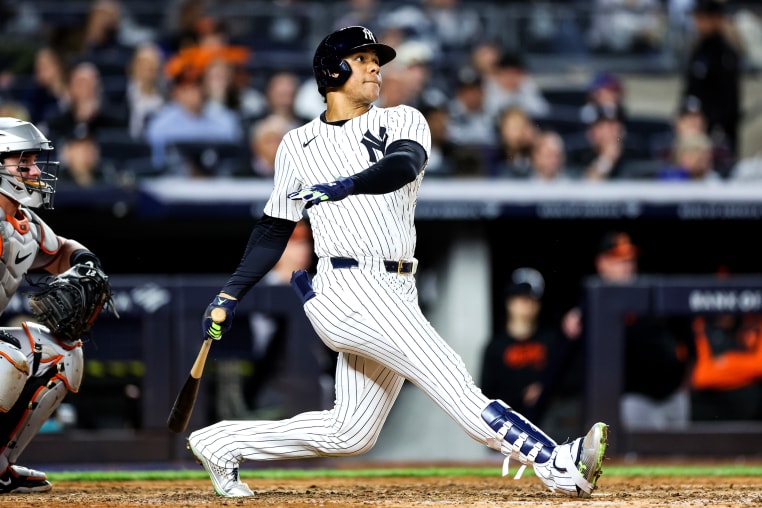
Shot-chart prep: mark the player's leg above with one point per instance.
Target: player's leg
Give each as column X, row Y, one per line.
column 24, row 411
column 389, row 327
column 365, row 392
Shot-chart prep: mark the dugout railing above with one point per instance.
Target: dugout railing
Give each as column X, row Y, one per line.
column 664, row 295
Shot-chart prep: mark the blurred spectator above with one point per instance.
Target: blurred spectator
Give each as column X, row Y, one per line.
column 470, row 122
column 605, row 152
column 87, row 110
column 359, row 13
column 146, row 87
column 264, row 137
column 219, row 85
column 692, row 160
column 411, row 71
column 512, row 85
column 605, row 90
column 441, row 161
column 48, row 94
column 726, row 379
column 627, row 26
column 548, row 158
column 456, row 25
column 82, row 164
column 14, row 109
column 484, row 57
column 516, row 357
column 280, row 96
column 516, row 138
column 189, row 117
column 713, row 73
column 102, row 41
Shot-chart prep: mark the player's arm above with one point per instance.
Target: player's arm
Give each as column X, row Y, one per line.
column 266, row 244
column 403, row 162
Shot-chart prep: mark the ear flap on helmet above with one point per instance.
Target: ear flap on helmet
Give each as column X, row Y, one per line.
column 337, row 70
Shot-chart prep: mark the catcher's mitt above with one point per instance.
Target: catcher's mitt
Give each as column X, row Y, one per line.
column 70, row 302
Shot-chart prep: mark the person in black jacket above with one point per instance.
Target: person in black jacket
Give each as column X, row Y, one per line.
column 713, row 73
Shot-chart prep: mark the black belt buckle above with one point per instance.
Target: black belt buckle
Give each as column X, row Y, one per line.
column 399, row 267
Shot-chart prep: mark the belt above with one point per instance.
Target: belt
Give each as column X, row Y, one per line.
column 401, row 267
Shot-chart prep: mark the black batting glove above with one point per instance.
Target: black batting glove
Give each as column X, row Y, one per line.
column 212, row 329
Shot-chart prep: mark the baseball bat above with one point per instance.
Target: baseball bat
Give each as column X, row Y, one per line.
column 181, row 411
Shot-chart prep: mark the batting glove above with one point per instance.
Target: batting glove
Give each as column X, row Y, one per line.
column 333, row 191
column 212, row 329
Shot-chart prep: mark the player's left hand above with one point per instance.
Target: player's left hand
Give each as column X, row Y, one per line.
column 332, row 191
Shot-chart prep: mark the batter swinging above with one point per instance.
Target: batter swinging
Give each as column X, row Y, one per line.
column 364, row 303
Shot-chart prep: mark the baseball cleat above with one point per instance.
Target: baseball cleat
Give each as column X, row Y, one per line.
column 574, row 468
column 226, row 481
column 22, row 480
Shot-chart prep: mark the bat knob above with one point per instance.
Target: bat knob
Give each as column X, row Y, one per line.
column 218, row 315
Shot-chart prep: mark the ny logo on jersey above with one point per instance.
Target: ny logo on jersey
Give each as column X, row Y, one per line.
column 368, row 34
column 373, row 143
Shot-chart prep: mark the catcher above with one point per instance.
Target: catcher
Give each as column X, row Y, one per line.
column 39, row 362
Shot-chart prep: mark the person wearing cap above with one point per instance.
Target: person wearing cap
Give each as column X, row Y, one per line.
column 516, row 357
column 606, row 90
column 512, row 84
column 713, row 72
column 658, row 350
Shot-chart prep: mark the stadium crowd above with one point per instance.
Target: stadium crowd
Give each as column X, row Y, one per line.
column 206, row 88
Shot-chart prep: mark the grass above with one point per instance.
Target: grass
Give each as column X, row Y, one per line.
column 609, row 471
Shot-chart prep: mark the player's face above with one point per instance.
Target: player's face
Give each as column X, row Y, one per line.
column 23, row 166
column 364, row 84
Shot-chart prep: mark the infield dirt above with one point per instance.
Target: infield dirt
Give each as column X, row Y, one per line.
column 401, row 493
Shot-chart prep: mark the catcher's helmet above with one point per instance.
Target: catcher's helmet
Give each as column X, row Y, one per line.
column 329, row 68
column 21, row 138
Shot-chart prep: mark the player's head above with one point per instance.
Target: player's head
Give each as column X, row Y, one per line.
column 329, row 68
column 27, row 175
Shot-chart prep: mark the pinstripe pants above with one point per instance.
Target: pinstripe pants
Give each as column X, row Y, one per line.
column 373, row 320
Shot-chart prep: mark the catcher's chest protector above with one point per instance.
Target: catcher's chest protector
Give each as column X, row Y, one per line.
column 21, row 242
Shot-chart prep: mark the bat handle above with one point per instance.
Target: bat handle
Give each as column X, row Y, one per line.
column 218, row 314
column 198, row 366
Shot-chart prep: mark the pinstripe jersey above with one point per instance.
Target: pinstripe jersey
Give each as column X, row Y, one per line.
column 377, row 226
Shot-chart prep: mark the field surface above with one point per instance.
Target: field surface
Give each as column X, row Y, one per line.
column 673, row 486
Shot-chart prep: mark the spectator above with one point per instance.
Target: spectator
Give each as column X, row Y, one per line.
column 442, row 160
column 47, row 96
column 605, row 90
column 713, row 73
column 657, row 397
column 146, row 87
column 627, row 26
column 102, row 41
column 605, row 152
column 548, row 158
column 748, row 169
column 189, row 117
column 264, row 137
column 516, row 357
column 280, row 96
column 512, row 85
column 82, row 164
column 516, row 138
column 87, row 110
column 726, row 379
column 470, row 122
column 692, row 160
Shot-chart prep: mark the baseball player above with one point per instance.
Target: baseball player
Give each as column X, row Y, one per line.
column 39, row 362
column 357, row 169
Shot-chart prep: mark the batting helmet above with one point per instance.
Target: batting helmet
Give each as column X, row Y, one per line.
column 329, row 68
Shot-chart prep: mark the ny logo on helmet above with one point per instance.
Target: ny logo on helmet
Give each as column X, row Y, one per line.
column 368, row 34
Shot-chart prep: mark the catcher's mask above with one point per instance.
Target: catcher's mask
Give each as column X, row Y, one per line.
column 329, row 68
column 22, row 147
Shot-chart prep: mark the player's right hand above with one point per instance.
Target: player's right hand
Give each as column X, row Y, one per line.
column 214, row 329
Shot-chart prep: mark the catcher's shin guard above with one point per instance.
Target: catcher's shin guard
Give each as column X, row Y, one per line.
column 516, row 437
column 38, row 401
